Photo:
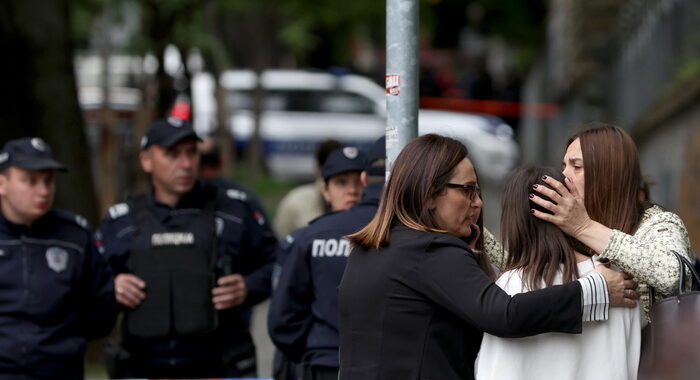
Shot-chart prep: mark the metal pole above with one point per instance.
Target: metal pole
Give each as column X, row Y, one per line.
column 401, row 76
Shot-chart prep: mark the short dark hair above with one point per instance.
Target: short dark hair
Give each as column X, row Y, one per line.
column 324, row 148
column 210, row 157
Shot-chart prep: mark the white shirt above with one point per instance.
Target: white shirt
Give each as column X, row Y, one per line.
column 605, row 350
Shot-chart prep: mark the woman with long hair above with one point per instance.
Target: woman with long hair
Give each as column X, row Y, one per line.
column 599, row 205
column 416, row 294
column 542, row 255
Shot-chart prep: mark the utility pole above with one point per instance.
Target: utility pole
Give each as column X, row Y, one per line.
column 401, row 76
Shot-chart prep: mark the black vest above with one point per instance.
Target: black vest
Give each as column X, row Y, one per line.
column 178, row 266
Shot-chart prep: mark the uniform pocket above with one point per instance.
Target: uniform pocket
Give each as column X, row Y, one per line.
column 193, row 309
column 152, row 317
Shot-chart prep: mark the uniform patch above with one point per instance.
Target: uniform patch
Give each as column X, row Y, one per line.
column 237, row 194
column 57, row 258
column 172, row 238
column 38, row 144
column 350, row 152
column 330, row 248
column 289, row 239
column 4, row 157
column 82, row 222
column 175, row 121
column 120, row 209
column 258, row 216
column 2, row 253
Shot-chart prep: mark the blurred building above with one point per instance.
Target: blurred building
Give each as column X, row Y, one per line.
column 634, row 63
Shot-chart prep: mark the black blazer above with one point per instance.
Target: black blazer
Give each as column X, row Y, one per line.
column 416, row 309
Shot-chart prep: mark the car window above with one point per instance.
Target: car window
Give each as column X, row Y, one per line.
column 304, row 101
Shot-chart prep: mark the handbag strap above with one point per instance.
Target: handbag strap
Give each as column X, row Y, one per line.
column 682, row 262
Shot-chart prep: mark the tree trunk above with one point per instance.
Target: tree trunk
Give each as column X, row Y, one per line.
column 40, row 96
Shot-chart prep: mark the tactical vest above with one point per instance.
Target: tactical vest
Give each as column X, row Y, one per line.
column 178, row 266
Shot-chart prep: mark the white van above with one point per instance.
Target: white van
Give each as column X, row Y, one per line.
column 303, row 108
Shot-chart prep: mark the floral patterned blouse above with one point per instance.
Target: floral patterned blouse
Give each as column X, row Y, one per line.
column 646, row 254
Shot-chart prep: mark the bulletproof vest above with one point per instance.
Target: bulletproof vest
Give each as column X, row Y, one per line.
column 178, row 266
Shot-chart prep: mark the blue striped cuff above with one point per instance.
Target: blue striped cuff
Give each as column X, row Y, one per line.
column 595, row 299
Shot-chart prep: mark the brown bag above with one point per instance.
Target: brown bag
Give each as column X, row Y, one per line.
column 674, row 323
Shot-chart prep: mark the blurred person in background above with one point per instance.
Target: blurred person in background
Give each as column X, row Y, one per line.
column 342, row 183
column 56, row 291
column 191, row 259
column 416, row 295
column 303, row 318
column 542, row 255
column 211, row 170
column 305, row 203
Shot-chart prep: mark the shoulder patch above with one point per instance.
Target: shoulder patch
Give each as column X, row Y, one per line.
column 73, row 218
column 237, row 194
column 119, row 209
column 82, row 222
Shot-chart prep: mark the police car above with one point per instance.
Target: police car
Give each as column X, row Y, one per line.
column 302, row 108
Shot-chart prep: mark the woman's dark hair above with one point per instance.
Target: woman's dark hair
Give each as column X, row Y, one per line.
column 540, row 249
column 419, row 174
column 612, row 177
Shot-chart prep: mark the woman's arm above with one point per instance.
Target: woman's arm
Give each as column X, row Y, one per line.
column 494, row 250
column 646, row 255
column 453, row 279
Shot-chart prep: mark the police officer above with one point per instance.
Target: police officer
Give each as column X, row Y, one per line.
column 303, row 316
column 191, row 259
column 56, row 291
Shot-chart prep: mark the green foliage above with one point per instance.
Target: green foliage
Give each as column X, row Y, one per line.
column 519, row 21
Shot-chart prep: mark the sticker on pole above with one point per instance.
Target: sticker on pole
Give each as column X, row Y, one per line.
column 393, row 84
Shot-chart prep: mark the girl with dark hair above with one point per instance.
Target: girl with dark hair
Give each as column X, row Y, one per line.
column 599, row 205
column 416, row 294
column 541, row 255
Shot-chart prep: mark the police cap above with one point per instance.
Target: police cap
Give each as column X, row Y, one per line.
column 376, row 151
column 168, row 132
column 30, row 153
column 343, row 160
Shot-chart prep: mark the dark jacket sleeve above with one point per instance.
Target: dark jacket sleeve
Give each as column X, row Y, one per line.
column 99, row 308
column 289, row 318
column 259, row 245
column 113, row 240
column 451, row 277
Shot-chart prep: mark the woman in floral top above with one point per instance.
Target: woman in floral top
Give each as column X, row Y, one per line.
column 600, row 206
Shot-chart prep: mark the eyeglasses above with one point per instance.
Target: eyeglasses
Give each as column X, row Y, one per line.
column 471, row 190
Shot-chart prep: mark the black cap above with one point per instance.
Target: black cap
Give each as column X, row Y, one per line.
column 30, row 153
column 377, row 151
column 343, row 160
column 168, row 132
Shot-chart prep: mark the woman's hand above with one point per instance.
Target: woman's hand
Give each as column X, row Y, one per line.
column 621, row 287
column 474, row 236
column 568, row 209
column 569, row 213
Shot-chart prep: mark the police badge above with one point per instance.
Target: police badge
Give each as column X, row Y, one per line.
column 57, row 258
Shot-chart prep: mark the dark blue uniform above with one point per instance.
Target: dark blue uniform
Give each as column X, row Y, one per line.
column 244, row 244
column 303, row 316
column 56, row 292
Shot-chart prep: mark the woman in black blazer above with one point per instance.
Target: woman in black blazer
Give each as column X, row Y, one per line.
column 416, row 295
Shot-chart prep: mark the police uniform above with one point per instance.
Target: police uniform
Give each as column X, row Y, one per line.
column 303, row 316
column 56, row 292
column 180, row 252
